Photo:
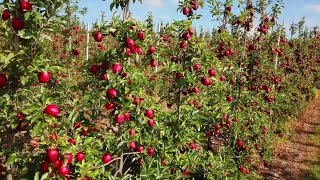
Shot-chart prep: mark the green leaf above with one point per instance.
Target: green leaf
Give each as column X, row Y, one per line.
column 11, row 159
column 37, row 127
column 88, row 140
column 26, row 34
column 24, row 80
column 36, row 176
column 44, row 176
column 30, row 109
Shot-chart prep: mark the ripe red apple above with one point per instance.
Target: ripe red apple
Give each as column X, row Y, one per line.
column 240, row 143
column 44, row 77
column 206, row 81
column 241, row 169
column 25, row 5
column 187, row 36
column 211, row 72
column 105, row 65
column 77, row 125
column 229, row 98
column 106, row 158
column 222, row 78
column 69, row 157
column 151, row 152
column 80, row 156
column 163, row 163
column 140, row 149
column 103, row 77
column 94, row 68
column 152, row 50
column 72, row 141
column 119, row 118
column 149, row 113
column 76, row 52
column 153, row 63
column 132, row 132
column 228, row 9
column 186, row 10
column 183, row 45
column 98, row 36
column 179, row 75
column 127, row 116
column 52, row 154
column 44, row 166
column 3, row 80
column 5, row 15
column 132, row 145
column 192, row 145
column 64, row 171
column 130, row 42
column 57, row 164
column 109, row 106
column 52, row 110
column 197, row 67
column 140, row 35
column 116, row 68
column 151, row 122
column 195, row 5
column 17, row 24
column 165, row 38
column 112, row 93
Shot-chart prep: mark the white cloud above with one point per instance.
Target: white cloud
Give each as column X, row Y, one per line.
column 154, row 3
column 314, row 8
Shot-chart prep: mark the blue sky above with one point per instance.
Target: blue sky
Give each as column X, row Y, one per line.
column 165, row 10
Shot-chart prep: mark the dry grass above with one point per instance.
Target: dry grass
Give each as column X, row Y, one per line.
column 295, row 156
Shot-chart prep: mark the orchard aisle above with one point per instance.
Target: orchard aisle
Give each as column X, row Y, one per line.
column 299, row 157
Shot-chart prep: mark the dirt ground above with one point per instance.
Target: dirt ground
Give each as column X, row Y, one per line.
column 296, row 158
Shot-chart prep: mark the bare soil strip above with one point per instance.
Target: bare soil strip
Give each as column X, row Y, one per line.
column 299, row 157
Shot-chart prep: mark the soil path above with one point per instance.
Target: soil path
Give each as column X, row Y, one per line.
column 297, row 158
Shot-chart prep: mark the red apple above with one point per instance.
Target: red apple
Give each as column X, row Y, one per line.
column 149, row 113
column 5, row 15
column 186, row 10
column 211, row 72
column 183, row 45
column 3, row 80
column 132, row 145
column 130, row 42
column 105, row 65
column 80, row 156
column 64, row 171
column 94, row 68
column 44, row 77
column 229, row 98
column 52, row 110
column 109, row 106
column 112, row 93
column 116, row 68
column 106, row 158
column 52, row 154
column 132, row 132
column 98, row 36
column 140, row 35
column 119, row 118
column 25, row 5
column 140, row 149
column 44, row 166
column 17, row 23
column 151, row 122
column 150, row 151
column 152, row 50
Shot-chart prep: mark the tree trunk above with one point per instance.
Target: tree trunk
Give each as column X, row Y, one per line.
column 126, row 10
